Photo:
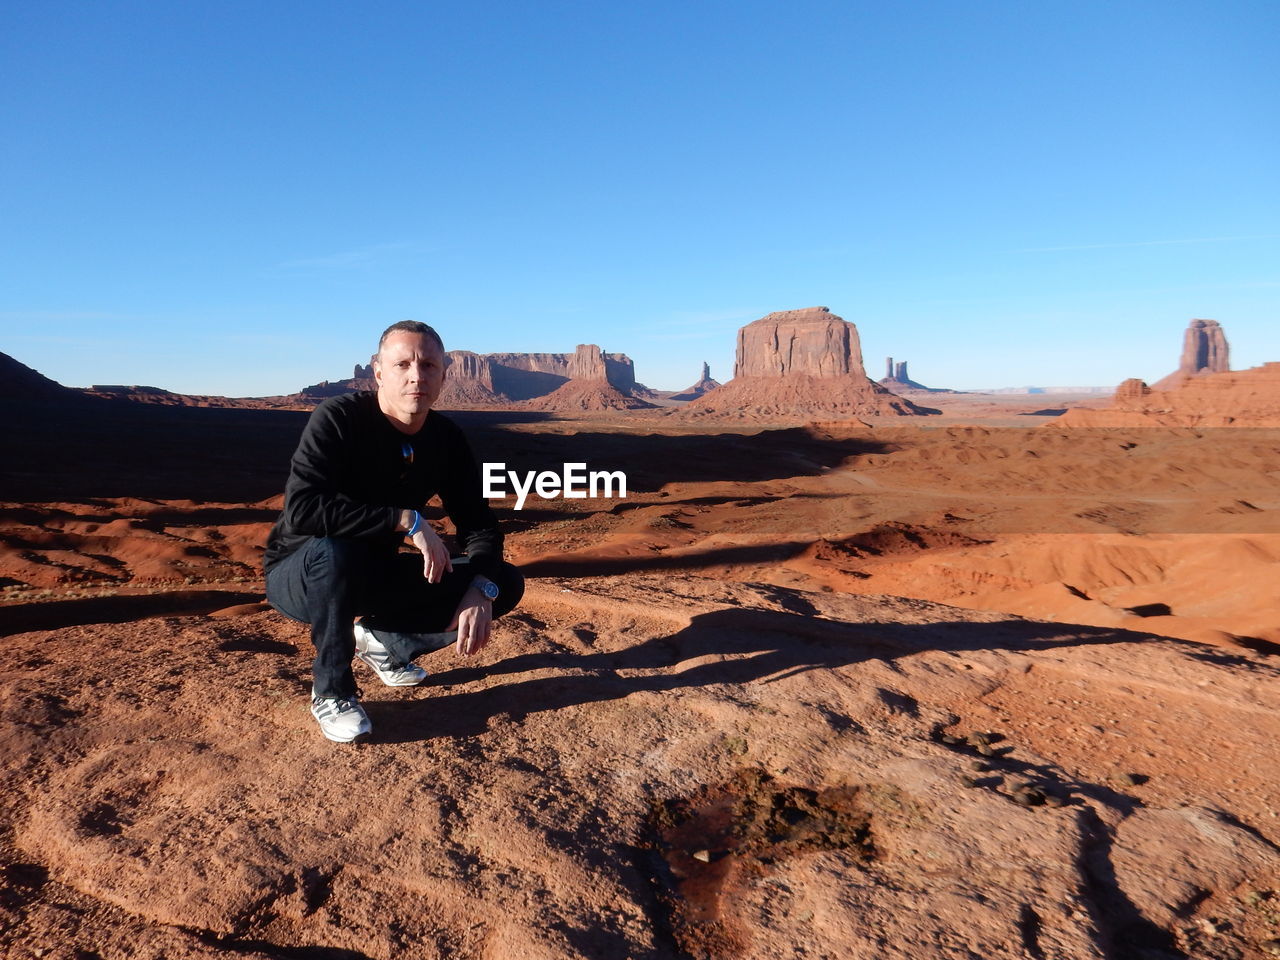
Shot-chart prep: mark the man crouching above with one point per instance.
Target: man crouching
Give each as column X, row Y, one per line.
column 365, row 467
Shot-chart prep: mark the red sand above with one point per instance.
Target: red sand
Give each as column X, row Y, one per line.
column 719, row 726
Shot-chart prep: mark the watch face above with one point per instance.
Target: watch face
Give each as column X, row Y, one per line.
column 490, row 590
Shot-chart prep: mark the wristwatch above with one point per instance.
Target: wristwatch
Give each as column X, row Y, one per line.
column 487, row 587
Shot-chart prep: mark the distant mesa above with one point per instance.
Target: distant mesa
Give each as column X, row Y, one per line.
column 587, row 379
column 896, row 380
column 522, row 376
column 20, row 382
column 468, row 382
column 704, row 385
column 801, row 364
column 159, row 397
column 1047, row 391
column 121, row 391
column 1204, row 350
column 1202, row 392
column 125, row 390
column 361, row 379
column 597, row 381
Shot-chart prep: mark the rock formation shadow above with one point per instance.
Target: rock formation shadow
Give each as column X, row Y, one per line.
column 615, row 566
column 764, row 645
column 54, row 615
column 127, row 449
column 652, row 460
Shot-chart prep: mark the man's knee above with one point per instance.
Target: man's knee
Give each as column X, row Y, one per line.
column 324, row 571
column 339, row 564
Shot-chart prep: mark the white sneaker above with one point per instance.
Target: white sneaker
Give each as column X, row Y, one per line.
column 342, row 719
column 370, row 649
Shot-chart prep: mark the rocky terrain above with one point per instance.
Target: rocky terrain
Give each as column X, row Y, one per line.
column 648, row 767
column 820, row 691
column 1001, row 687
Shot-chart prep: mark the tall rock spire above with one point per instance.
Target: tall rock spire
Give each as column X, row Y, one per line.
column 1204, row 350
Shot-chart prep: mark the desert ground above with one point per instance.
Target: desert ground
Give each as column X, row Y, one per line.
column 976, row 685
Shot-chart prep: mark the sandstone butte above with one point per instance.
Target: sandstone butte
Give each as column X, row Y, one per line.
column 800, row 364
column 1204, row 350
column 897, row 380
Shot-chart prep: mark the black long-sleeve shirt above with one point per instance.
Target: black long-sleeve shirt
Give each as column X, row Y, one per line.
column 352, row 475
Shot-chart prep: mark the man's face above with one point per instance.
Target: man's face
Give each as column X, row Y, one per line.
column 410, row 374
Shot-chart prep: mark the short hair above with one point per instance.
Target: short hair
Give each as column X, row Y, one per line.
column 410, row 326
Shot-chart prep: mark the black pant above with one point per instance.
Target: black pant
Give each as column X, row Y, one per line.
column 331, row 581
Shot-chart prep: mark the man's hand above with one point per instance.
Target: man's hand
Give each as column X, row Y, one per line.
column 472, row 620
column 435, row 557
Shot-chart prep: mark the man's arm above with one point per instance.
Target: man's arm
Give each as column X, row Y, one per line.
column 314, row 503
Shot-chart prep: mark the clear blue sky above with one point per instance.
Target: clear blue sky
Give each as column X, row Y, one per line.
column 235, row 198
